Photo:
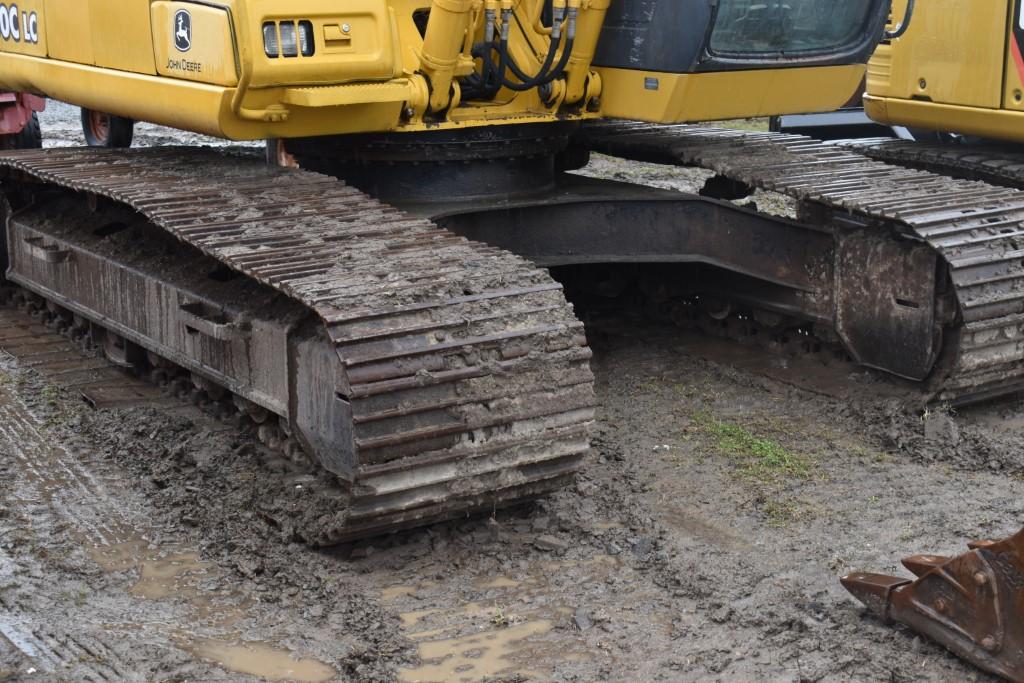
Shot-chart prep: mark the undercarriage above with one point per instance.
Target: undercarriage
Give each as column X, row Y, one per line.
column 407, row 352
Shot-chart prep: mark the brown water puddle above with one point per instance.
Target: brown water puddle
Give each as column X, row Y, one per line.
column 258, row 659
column 500, row 582
column 162, row 573
column 474, row 657
column 507, row 628
column 392, row 593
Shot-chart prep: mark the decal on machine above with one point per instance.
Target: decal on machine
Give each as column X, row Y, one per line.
column 20, row 27
column 183, row 30
column 183, row 43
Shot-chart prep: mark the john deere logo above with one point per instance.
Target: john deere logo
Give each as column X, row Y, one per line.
column 183, row 30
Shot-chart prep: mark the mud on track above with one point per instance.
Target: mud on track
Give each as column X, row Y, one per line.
column 139, row 543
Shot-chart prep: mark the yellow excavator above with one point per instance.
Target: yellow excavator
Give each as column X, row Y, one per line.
column 379, row 311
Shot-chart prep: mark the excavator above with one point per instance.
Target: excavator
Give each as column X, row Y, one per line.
column 376, row 299
column 382, row 312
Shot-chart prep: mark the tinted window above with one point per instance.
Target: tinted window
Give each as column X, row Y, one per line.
column 752, row 27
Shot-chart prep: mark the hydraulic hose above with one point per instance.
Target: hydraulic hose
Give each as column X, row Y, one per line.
column 494, row 76
column 903, row 25
column 546, row 73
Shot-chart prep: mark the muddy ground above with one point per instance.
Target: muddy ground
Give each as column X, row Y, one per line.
column 703, row 542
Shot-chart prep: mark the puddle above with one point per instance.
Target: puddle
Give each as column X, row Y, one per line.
column 500, row 582
column 257, row 659
column 410, row 619
column 161, row 574
column 394, row 592
column 423, row 635
column 485, row 636
column 162, row 578
column 474, row 657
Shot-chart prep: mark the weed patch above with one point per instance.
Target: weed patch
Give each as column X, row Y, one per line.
column 756, row 457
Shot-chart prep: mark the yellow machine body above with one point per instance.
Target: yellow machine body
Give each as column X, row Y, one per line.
column 378, row 66
column 958, row 68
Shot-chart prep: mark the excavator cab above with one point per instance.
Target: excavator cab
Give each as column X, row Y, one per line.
column 699, row 60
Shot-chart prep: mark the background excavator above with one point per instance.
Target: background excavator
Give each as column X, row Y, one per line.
column 381, row 311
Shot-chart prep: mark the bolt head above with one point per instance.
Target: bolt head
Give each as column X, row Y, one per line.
column 346, row 28
column 989, row 643
column 980, row 579
column 941, row 606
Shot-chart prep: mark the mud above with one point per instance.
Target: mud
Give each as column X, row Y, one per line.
column 135, row 542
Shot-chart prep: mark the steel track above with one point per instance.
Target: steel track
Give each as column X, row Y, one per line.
column 974, row 228
column 465, row 370
column 992, row 164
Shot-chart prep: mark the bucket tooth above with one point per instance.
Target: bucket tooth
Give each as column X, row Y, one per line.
column 874, row 590
column 972, row 604
column 920, row 565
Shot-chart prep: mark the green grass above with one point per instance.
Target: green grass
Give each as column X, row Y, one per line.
column 760, row 461
column 756, row 457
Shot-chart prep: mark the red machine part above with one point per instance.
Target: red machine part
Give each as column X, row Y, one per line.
column 16, row 111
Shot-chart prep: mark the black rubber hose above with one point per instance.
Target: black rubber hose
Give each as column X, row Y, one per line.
column 493, row 77
column 537, row 79
column 908, row 16
column 544, row 76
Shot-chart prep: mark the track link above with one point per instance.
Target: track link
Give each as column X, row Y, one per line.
column 457, row 373
column 975, row 230
column 988, row 163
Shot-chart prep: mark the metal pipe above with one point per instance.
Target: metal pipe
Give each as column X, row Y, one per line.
column 442, row 45
column 588, row 30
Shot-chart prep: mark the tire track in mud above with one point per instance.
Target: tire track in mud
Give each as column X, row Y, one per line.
column 49, row 488
column 54, row 497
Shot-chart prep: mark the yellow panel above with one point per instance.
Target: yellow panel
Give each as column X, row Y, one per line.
column 203, row 50
column 411, row 43
column 185, row 104
column 953, row 53
column 68, row 30
column 990, row 123
column 368, row 50
column 676, row 98
column 120, row 37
